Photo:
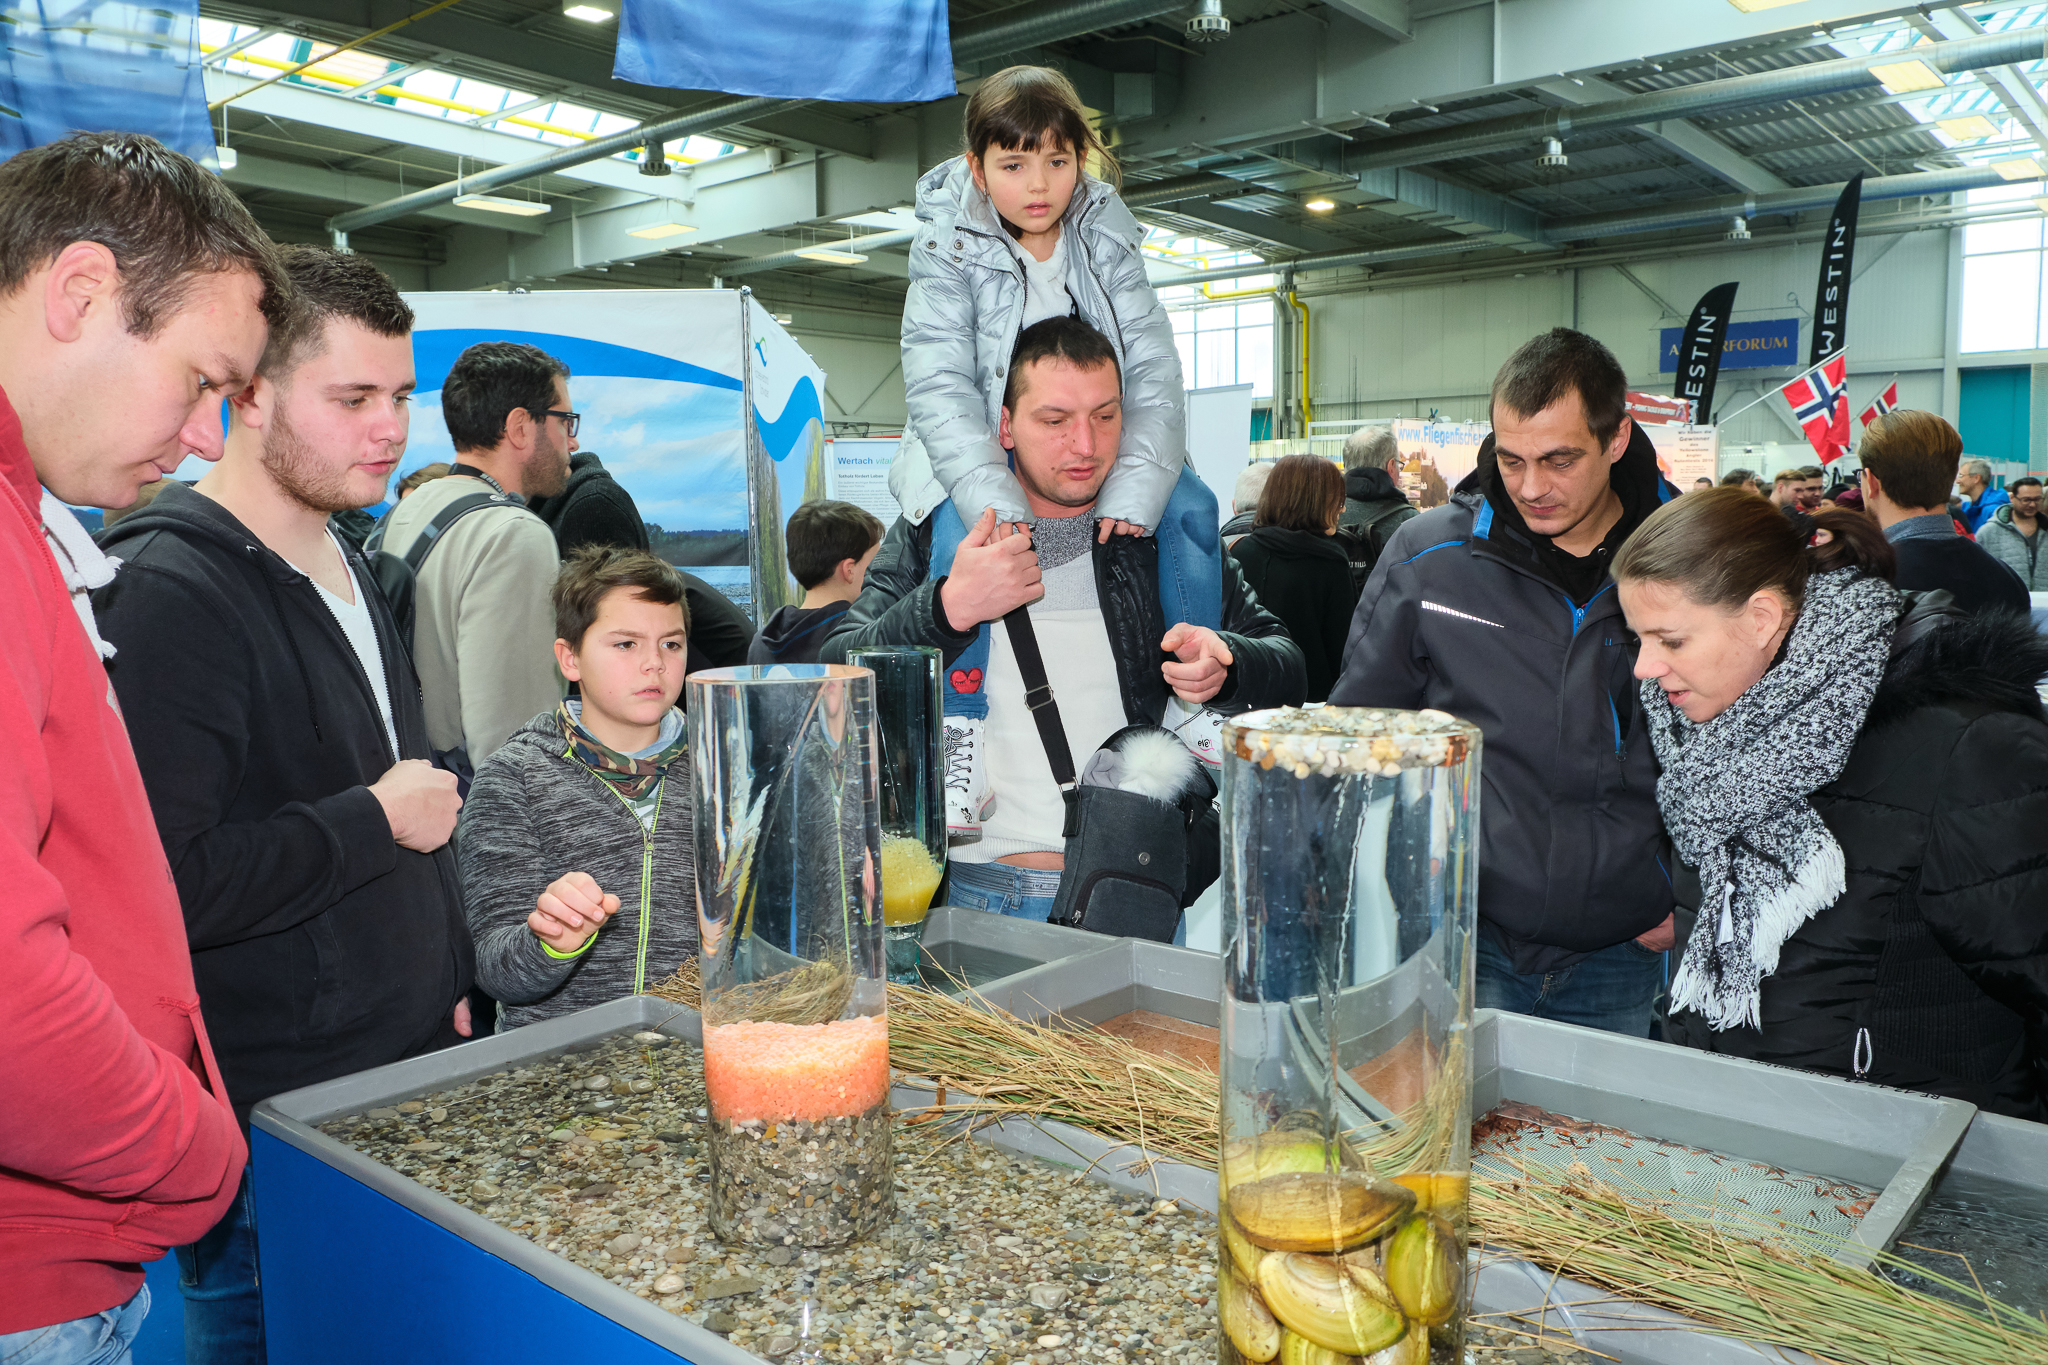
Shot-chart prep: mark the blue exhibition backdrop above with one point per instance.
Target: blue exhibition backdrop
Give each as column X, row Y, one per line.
column 858, row 51
column 103, row 67
column 667, row 429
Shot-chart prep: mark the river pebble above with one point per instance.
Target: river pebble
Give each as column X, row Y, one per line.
column 964, row 1275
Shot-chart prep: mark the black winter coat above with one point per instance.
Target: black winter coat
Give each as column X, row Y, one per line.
column 1374, row 508
column 593, row 509
column 1961, row 568
column 1470, row 613
column 1305, row 580
column 321, row 947
column 1933, row 965
column 900, row 606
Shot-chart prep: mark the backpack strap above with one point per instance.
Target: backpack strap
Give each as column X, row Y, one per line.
column 1045, row 713
column 430, row 535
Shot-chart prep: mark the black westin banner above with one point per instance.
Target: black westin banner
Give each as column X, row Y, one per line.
column 1699, row 350
column 1831, row 296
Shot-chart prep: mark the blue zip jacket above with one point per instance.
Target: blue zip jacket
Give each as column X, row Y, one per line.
column 1464, row 613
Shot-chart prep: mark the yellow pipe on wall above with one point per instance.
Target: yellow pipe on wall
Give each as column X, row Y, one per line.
column 1307, row 414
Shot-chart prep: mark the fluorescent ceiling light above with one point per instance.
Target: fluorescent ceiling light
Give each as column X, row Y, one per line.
column 654, row 232
column 589, row 14
column 831, row 255
column 1970, row 128
column 1900, row 78
column 1320, row 205
column 2020, row 168
column 888, row 220
column 524, row 208
column 1752, row 6
column 225, row 158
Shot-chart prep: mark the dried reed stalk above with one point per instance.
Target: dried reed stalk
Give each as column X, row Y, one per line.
column 1750, row 1289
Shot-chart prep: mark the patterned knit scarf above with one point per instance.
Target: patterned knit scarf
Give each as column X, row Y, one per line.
column 1734, row 792
column 632, row 778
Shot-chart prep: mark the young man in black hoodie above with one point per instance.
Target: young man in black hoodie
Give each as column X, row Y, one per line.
column 277, row 722
column 831, row 545
column 1497, row 607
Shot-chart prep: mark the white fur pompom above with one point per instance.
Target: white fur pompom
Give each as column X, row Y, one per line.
column 1157, row 765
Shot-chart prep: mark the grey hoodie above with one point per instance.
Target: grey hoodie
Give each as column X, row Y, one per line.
column 533, row 814
column 2002, row 540
column 960, row 324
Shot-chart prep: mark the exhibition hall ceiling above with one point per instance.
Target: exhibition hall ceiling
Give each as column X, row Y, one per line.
column 1383, row 135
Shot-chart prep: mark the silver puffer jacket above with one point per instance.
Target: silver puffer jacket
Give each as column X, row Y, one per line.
column 960, row 324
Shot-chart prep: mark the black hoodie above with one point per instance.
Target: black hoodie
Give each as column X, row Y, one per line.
column 794, row 635
column 321, row 947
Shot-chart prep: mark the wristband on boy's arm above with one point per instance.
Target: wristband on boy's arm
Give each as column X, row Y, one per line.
column 578, row 951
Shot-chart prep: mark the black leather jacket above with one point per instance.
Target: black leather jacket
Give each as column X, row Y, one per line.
column 900, row 606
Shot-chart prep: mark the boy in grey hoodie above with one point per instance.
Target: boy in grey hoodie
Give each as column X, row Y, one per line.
column 583, row 816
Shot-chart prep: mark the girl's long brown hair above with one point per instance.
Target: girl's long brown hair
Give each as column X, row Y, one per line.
column 1020, row 106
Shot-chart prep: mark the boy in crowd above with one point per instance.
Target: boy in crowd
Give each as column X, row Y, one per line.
column 600, row 785
column 831, row 545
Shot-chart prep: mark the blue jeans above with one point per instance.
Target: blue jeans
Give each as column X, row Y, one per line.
column 223, row 1300
column 1022, row 892
column 101, row 1339
column 1000, row 889
column 1614, row 989
column 1190, row 581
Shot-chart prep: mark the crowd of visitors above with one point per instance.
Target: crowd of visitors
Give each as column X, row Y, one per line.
column 1765, row 779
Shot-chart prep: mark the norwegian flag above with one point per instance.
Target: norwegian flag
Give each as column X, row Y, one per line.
column 1881, row 404
column 1820, row 400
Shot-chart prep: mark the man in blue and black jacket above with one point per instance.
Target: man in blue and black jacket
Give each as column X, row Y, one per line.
column 1497, row 607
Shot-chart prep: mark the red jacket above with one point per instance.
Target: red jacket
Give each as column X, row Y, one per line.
column 116, row 1139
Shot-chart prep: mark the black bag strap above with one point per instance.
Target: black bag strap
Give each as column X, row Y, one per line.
column 430, row 535
column 1045, row 713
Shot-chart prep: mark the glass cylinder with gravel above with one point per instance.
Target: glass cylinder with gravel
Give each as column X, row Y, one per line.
column 1349, row 900
column 796, row 1028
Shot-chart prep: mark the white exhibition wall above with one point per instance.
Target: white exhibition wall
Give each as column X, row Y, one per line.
column 1394, row 351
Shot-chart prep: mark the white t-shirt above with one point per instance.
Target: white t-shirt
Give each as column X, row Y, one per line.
column 354, row 620
column 1030, row 815
column 1045, row 282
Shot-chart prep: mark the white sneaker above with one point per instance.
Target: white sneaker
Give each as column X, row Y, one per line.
column 1200, row 729
column 968, row 798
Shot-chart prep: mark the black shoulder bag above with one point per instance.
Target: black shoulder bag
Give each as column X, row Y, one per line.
column 1128, row 872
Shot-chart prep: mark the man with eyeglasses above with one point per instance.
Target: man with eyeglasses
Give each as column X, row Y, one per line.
column 2012, row 534
column 484, row 626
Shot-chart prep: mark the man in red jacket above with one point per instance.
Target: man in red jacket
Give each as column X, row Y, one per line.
column 135, row 295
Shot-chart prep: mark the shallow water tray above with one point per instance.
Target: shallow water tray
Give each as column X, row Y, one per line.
column 974, row 947
column 1889, row 1141
column 1991, row 1204
column 361, row 1263
column 1162, row 998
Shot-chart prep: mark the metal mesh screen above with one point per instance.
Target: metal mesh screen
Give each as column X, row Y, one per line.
column 1742, row 1196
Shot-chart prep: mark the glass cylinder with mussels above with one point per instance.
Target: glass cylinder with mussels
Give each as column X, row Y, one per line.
column 795, row 1007
column 1349, row 902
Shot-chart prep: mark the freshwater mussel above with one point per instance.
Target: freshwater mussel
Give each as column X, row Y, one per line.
column 1324, row 1262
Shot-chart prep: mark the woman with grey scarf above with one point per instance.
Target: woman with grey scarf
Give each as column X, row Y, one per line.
column 1856, row 784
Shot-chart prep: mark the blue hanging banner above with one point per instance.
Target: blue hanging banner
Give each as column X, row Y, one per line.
column 80, row 66
column 1748, row 345
column 849, row 51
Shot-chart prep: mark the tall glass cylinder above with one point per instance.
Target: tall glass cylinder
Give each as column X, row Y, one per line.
column 796, row 1029
column 1349, row 901
column 908, row 735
